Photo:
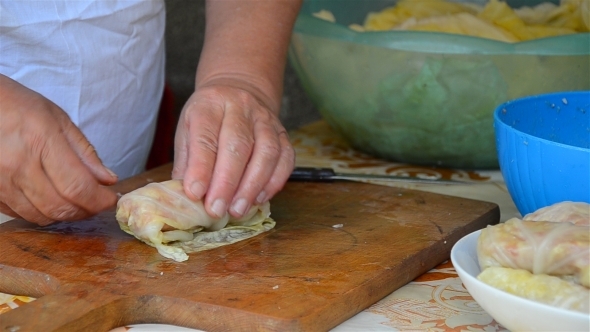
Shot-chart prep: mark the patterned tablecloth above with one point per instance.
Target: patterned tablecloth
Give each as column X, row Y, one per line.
column 435, row 301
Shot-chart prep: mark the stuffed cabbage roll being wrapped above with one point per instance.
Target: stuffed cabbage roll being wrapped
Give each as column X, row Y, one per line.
column 161, row 215
column 540, row 247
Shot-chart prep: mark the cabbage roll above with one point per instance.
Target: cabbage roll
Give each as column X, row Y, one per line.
column 161, row 215
column 577, row 213
column 540, row 247
column 542, row 288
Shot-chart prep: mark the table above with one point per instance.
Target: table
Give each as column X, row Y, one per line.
column 435, row 301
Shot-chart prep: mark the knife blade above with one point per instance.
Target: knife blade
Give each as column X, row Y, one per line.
column 323, row 174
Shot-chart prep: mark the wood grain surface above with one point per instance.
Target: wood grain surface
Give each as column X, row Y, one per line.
column 304, row 275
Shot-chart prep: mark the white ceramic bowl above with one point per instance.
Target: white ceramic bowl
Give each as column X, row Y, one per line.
column 513, row 312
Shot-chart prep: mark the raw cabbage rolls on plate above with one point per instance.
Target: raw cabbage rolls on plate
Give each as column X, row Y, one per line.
column 161, row 215
column 540, row 247
column 577, row 213
column 542, row 288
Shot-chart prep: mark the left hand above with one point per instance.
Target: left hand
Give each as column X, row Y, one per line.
column 230, row 146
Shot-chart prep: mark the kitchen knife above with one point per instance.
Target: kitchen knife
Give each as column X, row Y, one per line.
column 317, row 174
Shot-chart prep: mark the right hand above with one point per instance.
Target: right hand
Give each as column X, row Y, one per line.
column 48, row 169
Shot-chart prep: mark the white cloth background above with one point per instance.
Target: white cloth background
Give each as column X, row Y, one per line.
column 101, row 61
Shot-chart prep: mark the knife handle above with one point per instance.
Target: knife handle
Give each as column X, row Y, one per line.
column 314, row 174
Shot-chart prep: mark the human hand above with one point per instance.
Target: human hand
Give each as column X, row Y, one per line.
column 231, row 147
column 48, row 170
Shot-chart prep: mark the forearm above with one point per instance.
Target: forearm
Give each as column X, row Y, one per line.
column 246, row 45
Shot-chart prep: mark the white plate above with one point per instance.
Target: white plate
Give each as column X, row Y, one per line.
column 513, row 312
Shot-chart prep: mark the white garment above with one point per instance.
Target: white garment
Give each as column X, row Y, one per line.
column 101, row 61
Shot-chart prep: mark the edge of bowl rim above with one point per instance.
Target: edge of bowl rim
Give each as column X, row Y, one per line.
column 500, row 107
column 492, row 47
column 575, row 314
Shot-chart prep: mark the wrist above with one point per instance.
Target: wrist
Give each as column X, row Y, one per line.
column 262, row 90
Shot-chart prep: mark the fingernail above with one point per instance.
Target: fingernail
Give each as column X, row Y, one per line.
column 197, row 189
column 111, row 172
column 219, row 208
column 261, row 198
column 240, row 206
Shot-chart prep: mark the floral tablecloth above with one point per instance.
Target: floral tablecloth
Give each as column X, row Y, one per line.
column 435, row 301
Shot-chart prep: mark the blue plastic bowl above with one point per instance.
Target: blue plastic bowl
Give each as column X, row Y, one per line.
column 543, row 145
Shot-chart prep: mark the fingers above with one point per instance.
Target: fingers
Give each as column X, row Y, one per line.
column 181, row 140
column 284, row 168
column 262, row 178
column 27, row 210
column 5, row 209
column 53, row 185
column 234, row 150
column 86, row 152
column 266, row 171
column 74, row 183
column 46, row 204
column 17, row 205
column 202, row 135
column 236, row 143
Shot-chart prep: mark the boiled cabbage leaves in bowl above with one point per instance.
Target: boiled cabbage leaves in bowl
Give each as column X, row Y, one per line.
column 493, row 19
column 424, row 97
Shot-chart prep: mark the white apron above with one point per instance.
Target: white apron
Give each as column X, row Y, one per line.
column 101, row 61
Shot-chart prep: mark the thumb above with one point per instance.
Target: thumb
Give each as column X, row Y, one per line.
column 87, row 154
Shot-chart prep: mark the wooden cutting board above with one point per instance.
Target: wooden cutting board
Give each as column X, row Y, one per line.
column 307, row 274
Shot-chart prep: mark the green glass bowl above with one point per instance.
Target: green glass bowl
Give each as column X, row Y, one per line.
column 424, row 97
